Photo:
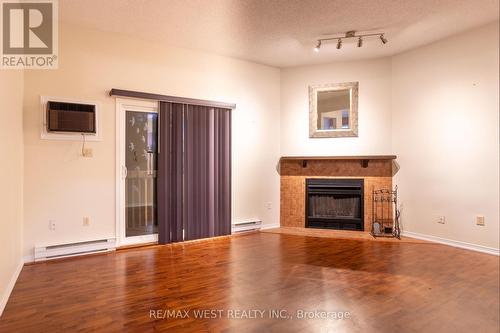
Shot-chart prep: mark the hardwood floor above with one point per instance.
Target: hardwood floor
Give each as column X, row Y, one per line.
column 384, row 287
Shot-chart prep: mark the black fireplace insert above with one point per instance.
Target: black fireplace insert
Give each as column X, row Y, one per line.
column 335, row 204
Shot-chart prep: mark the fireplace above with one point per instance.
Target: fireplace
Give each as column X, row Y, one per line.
column 335, row 204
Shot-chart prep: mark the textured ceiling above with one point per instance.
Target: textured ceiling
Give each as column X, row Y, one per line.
column 282, row 32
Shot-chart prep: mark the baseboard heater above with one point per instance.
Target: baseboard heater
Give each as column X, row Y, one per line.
column 246, row 225
column 43, row 253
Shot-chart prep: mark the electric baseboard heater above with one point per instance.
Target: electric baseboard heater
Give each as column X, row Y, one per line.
column 246, row 225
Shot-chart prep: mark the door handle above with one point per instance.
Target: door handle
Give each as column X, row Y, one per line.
column 150, row 163
column 124, row 171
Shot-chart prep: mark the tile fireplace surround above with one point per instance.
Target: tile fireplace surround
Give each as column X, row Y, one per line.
column 377, row 172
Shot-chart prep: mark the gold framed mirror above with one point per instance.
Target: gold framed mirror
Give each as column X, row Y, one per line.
column 333, row 110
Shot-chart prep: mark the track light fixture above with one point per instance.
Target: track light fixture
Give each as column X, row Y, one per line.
column 339, row 43
column 350, row 34
column 316, row 49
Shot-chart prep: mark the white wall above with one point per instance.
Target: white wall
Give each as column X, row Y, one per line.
column 445, row 131
column 374, row 108
column 11, row 178
column 64, row 186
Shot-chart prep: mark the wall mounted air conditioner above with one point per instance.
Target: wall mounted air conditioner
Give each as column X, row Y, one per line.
column 65, row 119
column 71, row 117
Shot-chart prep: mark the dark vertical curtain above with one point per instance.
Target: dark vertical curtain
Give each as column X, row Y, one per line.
column 207, row 172
column 169, row 178
column 194, row 172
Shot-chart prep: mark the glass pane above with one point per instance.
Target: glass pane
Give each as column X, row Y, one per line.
column 140, row 184
column 334, row 109
column 334, row 206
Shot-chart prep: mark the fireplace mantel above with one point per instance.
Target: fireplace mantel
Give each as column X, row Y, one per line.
column 364, row 159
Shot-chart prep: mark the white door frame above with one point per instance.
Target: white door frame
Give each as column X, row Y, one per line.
column 123, row 105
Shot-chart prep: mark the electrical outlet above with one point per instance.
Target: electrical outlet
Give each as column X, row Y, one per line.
column 441, row 220
column 269, row 206
column 87, row 152
column 86, row 221
column 480, row 220
column 52, row 224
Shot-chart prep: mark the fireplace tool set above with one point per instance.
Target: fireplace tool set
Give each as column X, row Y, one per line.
column 385, row 213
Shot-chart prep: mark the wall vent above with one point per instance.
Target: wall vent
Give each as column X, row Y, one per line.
column 43, row 253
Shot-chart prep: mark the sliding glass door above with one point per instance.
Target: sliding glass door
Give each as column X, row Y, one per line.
column 140, row 182
column 138, row 142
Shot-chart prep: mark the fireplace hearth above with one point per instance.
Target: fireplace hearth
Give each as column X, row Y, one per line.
column 335, row 204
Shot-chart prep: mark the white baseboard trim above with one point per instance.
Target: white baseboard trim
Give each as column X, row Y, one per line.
column 10, row 286
column 269, row 226
column 451, row 242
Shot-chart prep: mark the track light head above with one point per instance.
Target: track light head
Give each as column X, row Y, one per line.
column 316, row 49
column 360, row 42
column 339, row 44
column 383, row 39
